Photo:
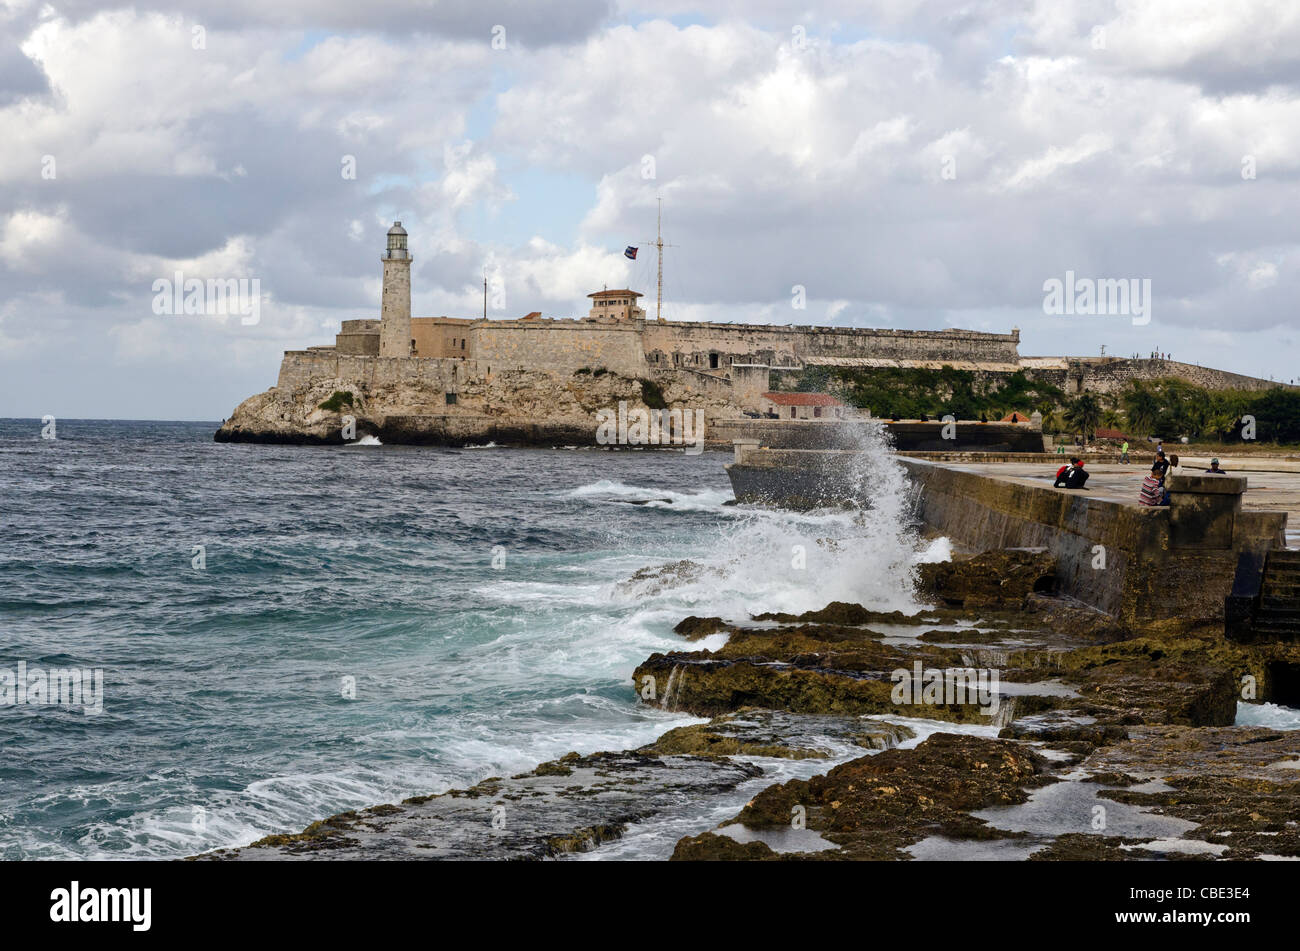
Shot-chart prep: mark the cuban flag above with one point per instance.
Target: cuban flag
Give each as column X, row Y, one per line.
column 630, row 252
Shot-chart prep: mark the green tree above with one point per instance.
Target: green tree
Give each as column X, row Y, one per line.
column 1142, row 409
column 1084, row 415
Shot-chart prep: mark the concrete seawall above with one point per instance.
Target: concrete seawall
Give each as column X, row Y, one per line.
column 1133, row 562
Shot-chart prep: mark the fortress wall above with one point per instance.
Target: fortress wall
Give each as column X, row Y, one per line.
column 443, row 337
column 953, row 345
column 563, row 345
column 1111, row 377
column 705, row 384
column 748, row 384
column 760, row 343
column 358, row 338
column 733, row 343
column 300, row 367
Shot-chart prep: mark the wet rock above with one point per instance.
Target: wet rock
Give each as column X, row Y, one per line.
column 708, row 740
column 842, row 612
column 693, row 628
column 659, row 578
column 1064, row 726
column 1241, row 785
column 571, row 805
column 849, row 680
column 875, row 806
column 709, row 847
column 1068, row 616
column 1001, row 577
column 757, row 732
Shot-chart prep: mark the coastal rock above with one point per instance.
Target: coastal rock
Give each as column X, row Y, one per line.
column 693, row 628
column 756, row 732
column 570, row 805
column 511, row 406
column 997, row 578
column 875, row 806
column 1239, row 785
column 843, row 612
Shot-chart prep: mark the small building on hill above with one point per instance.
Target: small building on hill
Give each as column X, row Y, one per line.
column 804, row 406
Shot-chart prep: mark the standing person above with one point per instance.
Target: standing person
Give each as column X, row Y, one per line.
column 1123, row 453
column 1214, row 468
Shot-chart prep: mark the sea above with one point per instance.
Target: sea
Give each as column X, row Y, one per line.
column 286, row 632
column 281, row 633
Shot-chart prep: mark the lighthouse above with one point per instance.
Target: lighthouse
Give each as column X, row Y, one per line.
column 395, row 304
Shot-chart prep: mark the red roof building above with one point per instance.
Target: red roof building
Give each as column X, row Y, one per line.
column 803, row 406
column 802, row 399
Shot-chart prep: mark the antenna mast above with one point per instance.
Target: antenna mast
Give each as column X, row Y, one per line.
column 659, row 244
column 485, row 293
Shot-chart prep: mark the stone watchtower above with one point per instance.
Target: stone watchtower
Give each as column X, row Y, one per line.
column 395, row 305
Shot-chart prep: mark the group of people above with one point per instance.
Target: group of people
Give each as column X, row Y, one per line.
column 1071, row 476
column 1153, row 491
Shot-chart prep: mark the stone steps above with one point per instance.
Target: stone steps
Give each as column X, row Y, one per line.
column 1273, row 630
column 1278, row 614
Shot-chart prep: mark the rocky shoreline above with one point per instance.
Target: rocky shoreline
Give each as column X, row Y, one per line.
column 1106, row 743
column 524, row 408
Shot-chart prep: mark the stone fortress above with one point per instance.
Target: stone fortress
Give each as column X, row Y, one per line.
column 727, row 366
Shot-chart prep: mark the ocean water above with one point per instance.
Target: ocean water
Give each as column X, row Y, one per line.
column 482, row 601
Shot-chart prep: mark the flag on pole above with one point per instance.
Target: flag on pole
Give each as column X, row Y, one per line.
column 630, row 252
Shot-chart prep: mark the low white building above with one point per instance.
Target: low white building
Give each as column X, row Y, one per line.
column 804, row 406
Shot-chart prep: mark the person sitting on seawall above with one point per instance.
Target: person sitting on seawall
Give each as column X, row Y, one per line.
column 1171, row 468
column 1161, row 463
column 1214, row 468
column 1072, row 476
column 1153, row 487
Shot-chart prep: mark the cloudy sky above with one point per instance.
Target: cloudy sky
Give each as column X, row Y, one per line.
column 910, row 163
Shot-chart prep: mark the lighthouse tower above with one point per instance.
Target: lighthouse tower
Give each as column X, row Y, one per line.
column 395, row 306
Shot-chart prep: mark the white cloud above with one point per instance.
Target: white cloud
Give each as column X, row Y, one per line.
column 829, row 165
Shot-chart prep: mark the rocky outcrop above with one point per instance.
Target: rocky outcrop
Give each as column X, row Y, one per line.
column 997, row 578
column 509, row 407
column 693, row 628
column 875, row 806
column 571, row 804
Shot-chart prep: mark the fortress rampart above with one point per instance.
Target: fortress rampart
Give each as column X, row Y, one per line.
column 300, row 367
column 1110, row 375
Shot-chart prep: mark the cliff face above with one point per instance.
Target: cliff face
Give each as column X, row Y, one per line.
column 522, row 407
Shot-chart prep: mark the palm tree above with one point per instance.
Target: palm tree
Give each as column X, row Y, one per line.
column 1084, row 415
column 1143, row 410
column 1053, row 422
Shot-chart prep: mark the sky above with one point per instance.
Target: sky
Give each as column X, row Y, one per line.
column 917, row 164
